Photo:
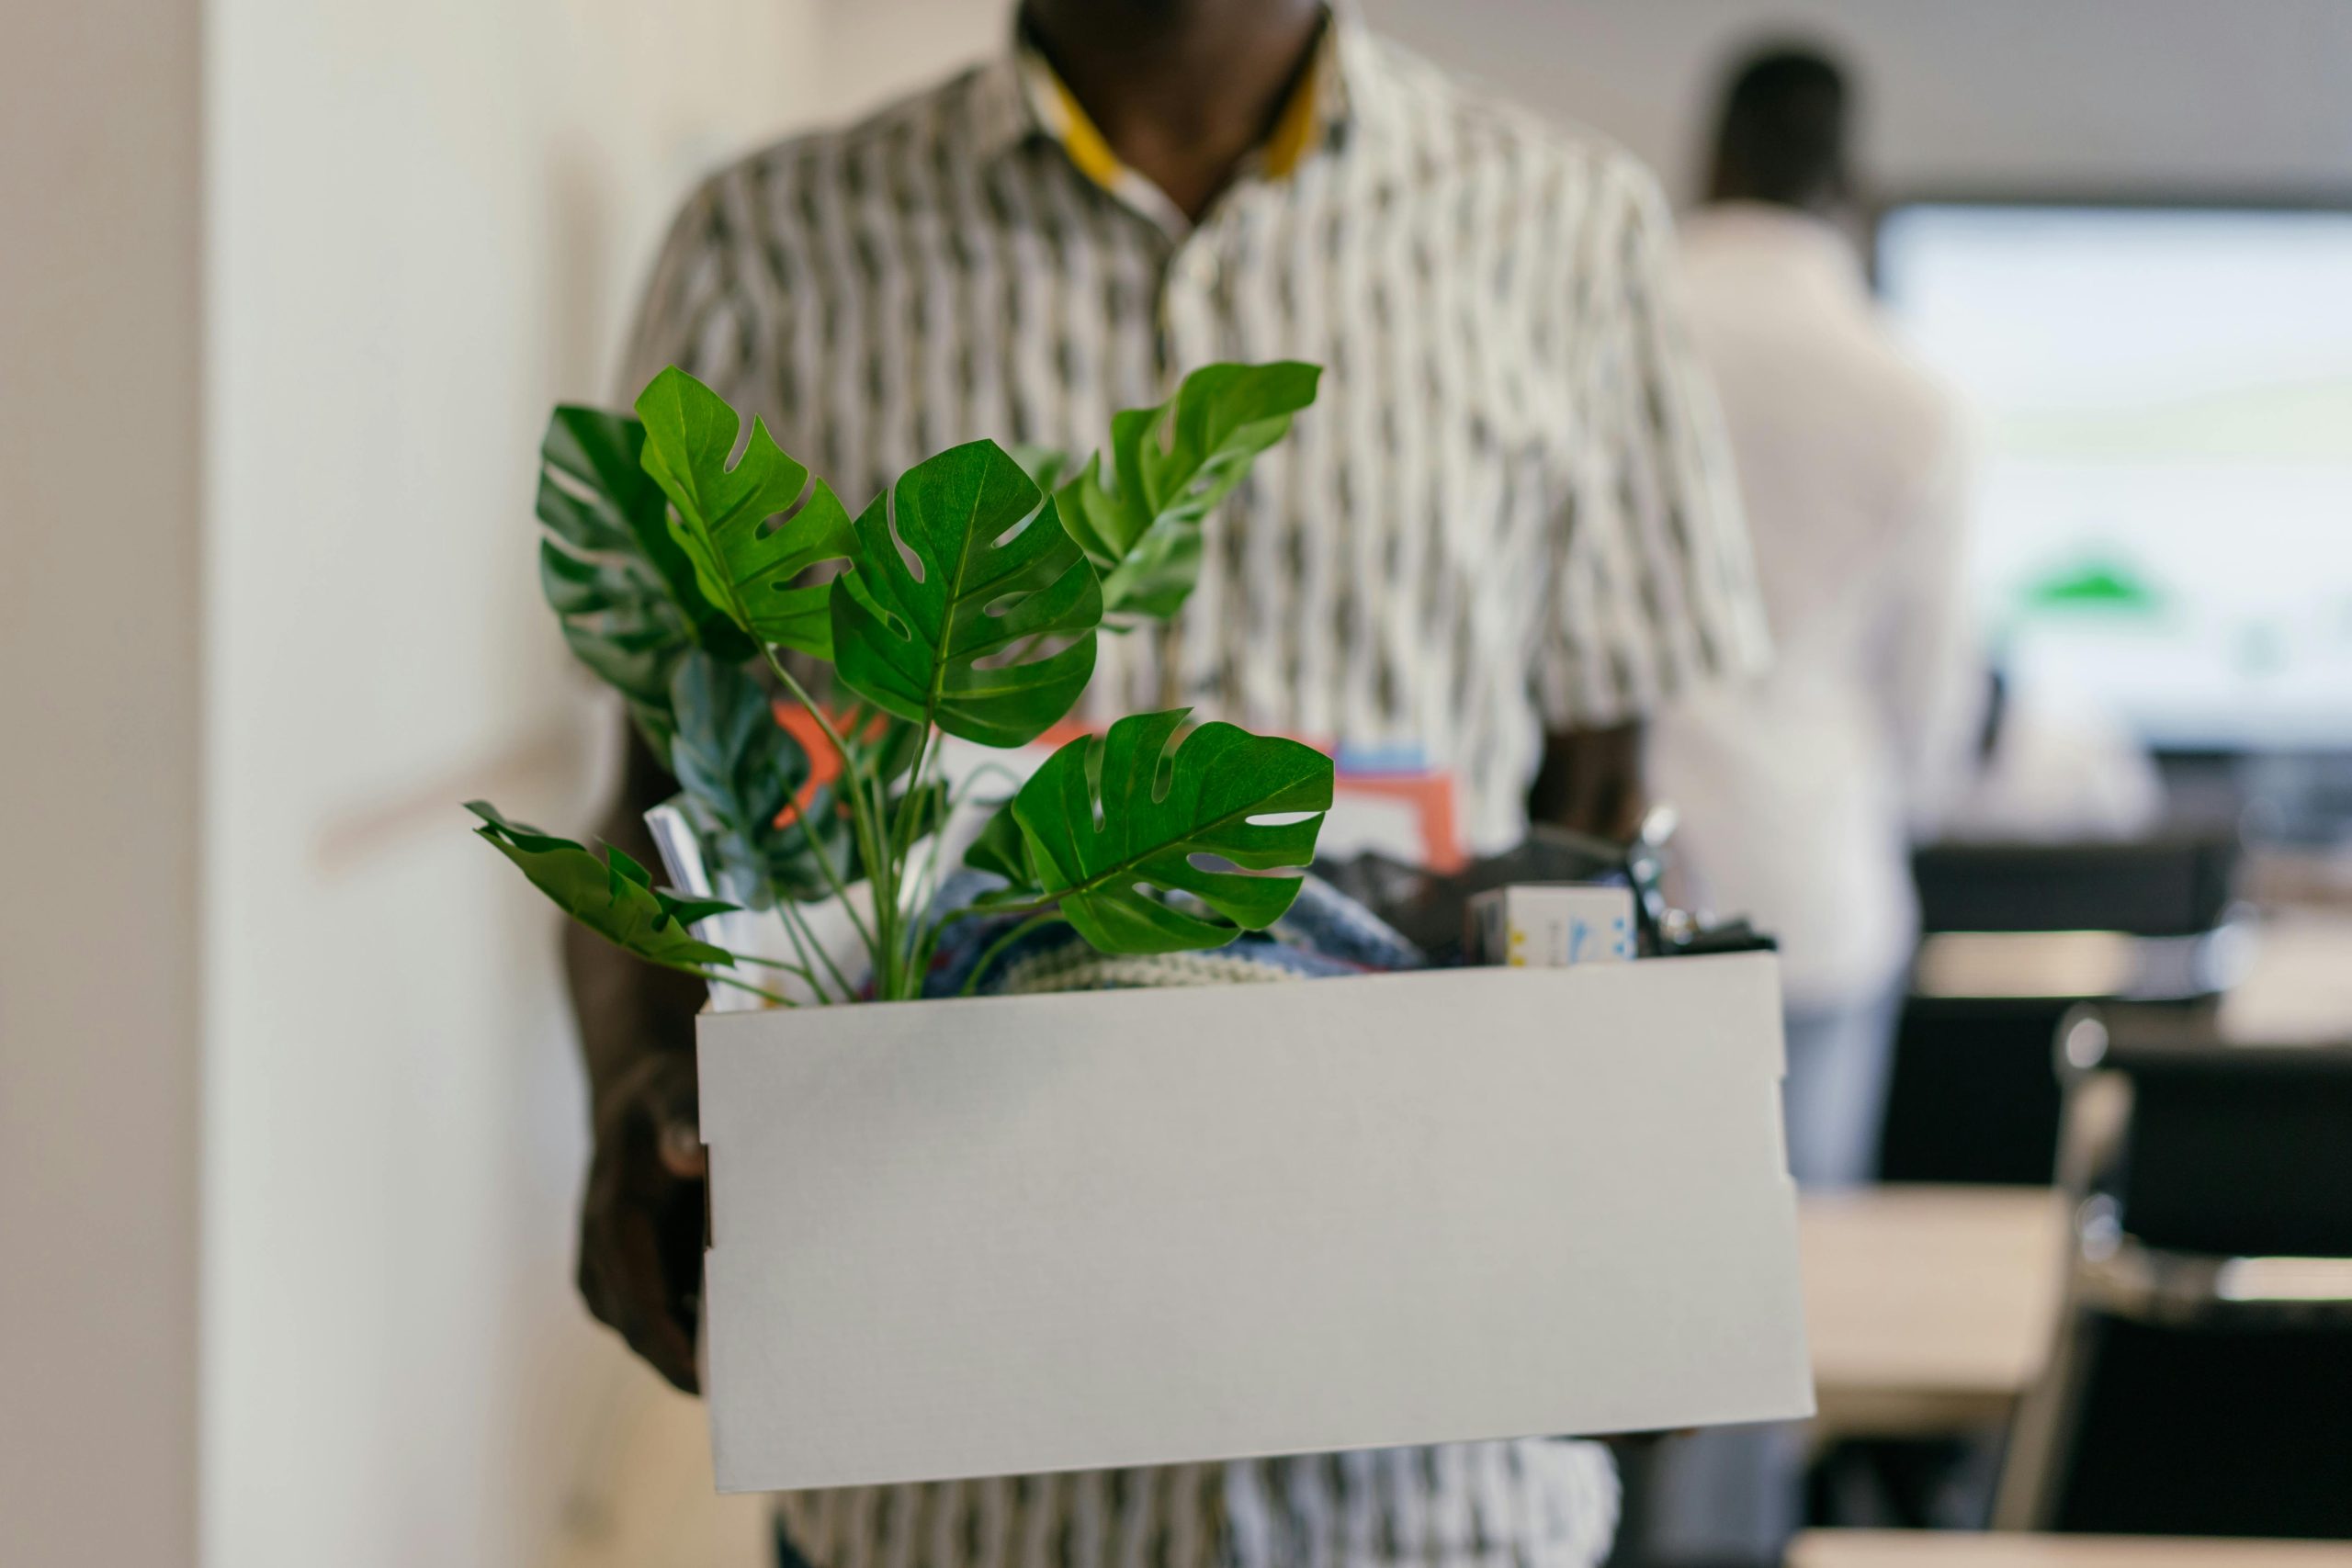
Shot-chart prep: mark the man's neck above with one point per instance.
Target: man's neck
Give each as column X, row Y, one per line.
column 1183, row 90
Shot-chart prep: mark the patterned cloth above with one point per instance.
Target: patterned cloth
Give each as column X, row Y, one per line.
column 1509, row 1504
column 1534, row 1504
column 1324, row 934
column 1508, row 513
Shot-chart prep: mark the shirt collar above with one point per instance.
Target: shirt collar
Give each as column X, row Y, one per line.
column 1017, row 97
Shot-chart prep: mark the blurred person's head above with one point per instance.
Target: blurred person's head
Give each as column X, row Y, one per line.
column 1781, row 137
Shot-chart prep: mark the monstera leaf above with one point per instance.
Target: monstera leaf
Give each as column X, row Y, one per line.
column 1095, row 843
column 1047, row 467
column 1170, row 466
column 998, row 849
column 738, row 770
column 623, row 591
column 621, row 627
column 955, row 643
column 596, row 496
column 741, row 563
column 615, row 897
column 743, row 778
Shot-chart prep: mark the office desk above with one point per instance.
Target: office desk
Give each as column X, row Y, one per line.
column 2297, row 987
column 1926, row 1548
column 1931, row 1309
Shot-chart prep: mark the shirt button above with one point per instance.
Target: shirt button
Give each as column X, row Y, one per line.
column 1200, row 268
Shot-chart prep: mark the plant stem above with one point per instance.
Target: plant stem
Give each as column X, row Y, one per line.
column 927, row 884
column 926, row 942
column 824, row 955
column 796, row 928
column 901, row 830
column 874, row 790
column 882, row 864
column 801, row 695
column 972, row 784
column 989, row 954
column 902, row 979
column 716, row 978
column 903, row 835
column 833, row 877
column 928, row 930
column 865, row 818
column 967, row 911
column 779, row 965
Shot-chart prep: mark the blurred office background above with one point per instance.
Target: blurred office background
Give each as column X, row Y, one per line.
column 289, row 1129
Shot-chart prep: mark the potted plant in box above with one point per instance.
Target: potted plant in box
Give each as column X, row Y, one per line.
column 966, row 600
column 1074, row 1231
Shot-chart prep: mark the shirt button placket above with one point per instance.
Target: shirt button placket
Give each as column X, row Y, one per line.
column 1188, row 306
column 1190, row 337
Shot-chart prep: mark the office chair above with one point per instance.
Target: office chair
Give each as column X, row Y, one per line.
column 2201, row 1381
column 2016, row 934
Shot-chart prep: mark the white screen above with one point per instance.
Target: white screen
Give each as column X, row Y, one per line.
column 2164, row 405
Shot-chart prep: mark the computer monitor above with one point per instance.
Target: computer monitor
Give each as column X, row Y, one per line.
column 2163, row 398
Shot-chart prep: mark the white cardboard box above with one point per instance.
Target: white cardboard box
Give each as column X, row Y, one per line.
column 1014, row 1235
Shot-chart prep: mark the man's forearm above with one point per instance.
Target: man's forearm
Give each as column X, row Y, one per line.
column 1590, row 781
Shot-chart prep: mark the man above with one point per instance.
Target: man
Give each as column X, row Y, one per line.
column 1799, row 790
column 1502, row 534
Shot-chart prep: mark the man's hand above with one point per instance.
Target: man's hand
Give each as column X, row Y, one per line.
column 641, row 1215
column 641, row 1220
column 1591, row 782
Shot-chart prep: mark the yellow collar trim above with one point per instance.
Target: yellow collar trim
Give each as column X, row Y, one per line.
column 1071, row 126
column 1295, row 129
column 1067, row 121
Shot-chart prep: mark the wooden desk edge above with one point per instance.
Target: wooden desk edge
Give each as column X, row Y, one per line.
column 1881, row 1411
column 1954, row 1549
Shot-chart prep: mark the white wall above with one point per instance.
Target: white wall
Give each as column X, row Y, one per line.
column 99, row 456
column 427, row 218
column 2041, row 92
column 2048, row 94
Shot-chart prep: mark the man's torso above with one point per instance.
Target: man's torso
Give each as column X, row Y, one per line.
column 1385, row 578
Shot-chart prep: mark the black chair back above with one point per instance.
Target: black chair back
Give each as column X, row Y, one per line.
column 1972, row 1096
column 2201, row 1383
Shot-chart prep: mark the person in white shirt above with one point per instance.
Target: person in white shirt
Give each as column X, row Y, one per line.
column 1800, row 789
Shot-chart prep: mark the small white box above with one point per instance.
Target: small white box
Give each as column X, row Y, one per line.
column 1549, row 925
column 1024, row 1234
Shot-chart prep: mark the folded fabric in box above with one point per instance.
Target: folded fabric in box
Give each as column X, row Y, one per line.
column 1326, row 933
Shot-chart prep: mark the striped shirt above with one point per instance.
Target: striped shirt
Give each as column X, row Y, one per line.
column 1508, row 514
column 1501, row 1504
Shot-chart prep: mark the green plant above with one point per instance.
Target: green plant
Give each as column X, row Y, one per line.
column 965, row 600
